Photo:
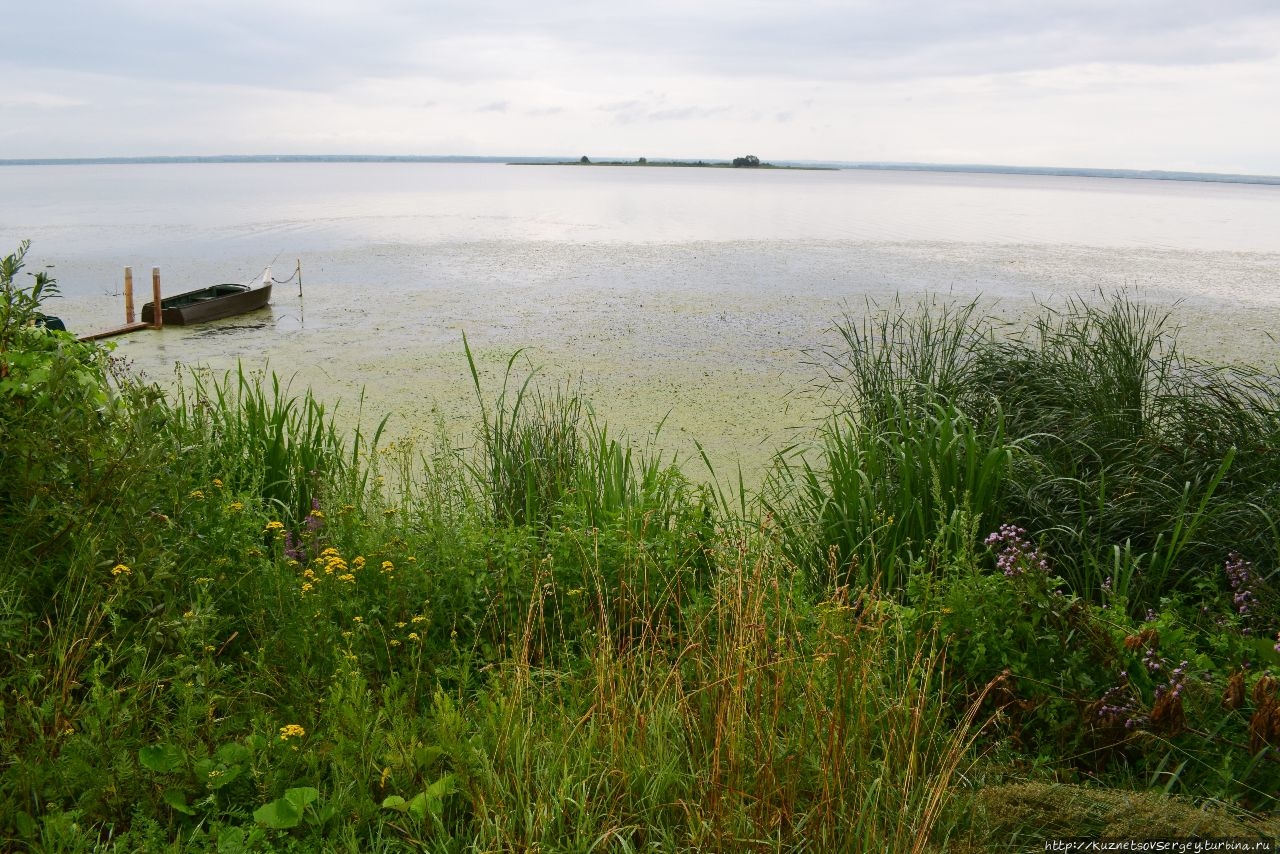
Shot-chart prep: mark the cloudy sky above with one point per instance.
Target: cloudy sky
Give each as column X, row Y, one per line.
column 1145, row 84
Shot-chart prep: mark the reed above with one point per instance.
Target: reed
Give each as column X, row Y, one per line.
column 1088, row 427
column 882, row 498
column 260, row 437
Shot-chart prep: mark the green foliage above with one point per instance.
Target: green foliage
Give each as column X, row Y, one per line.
column 1087, row 427
column 229, row 627
column 1148, row 701
column 266, row 440
column 286, row 812
column 1131, row 444
column 19, row 306
column 885, row 496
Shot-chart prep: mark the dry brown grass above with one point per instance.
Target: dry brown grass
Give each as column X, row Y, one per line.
column 1010, row 817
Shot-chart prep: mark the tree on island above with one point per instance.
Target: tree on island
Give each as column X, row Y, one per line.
column 584, row 159
column 748, row 162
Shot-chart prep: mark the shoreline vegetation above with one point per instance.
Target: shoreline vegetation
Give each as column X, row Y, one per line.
column 975, row 168
column 749, row 161
column 1020, row 584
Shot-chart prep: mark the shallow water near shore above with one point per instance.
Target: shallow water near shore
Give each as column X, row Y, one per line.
column 694, row 302
column 728, row 368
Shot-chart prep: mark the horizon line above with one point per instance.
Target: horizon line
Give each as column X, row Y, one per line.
column 886, row 165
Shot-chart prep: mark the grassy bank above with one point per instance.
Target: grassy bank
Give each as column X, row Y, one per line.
column 1014, row 567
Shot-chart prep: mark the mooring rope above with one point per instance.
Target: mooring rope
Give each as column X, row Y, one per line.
column 296, row 273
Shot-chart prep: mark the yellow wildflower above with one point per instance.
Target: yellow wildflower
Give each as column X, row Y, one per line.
column 307, row 587
column 400, row 625
column 197, row 494
column 358, row 562
column 357, row 619
column 348, row 578
column 291, row 731
column 217, row 483
column 395, row 642
column 120, row 569
column 274, row 527
column 235, row 506
column 388, row 566
column 418, row 619
column 330, row 552
column 413, row 636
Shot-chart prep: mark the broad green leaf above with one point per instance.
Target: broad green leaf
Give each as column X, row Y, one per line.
column 232, row 753
column 302, row 796
column 394, row 802
column 224, row 775
column 280, row 814
column 446, row 785
column 160, row 758
column 176, row 799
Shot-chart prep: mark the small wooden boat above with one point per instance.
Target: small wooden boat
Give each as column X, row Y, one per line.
column 48, row 321
column 212, row 303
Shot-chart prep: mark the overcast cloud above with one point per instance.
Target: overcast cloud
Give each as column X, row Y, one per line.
column 1127, row 83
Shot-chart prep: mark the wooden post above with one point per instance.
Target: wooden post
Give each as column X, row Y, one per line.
column 128, row 295
column 299, row 271
column 157, row 316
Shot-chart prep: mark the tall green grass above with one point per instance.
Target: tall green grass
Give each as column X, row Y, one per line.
column 883, row 498
column 1134, row 446
column 1132, row 463
column 766, row 724
column 260, row 437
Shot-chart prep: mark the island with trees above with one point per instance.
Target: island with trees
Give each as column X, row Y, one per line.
column 747, row 161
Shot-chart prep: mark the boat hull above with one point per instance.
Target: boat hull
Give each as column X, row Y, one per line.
column 212, row 303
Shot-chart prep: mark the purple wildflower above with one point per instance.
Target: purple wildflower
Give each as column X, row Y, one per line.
column 315, row 519
column 1243, row 582
column 1119, row 706
column 1240, row 578
column 1151, row 661
column 1017, row 554
column 292, row 547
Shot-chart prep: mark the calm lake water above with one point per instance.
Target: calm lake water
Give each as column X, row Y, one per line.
column 687, row 293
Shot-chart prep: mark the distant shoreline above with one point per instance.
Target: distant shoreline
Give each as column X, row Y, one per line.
column 887, row 166
column 680, row 164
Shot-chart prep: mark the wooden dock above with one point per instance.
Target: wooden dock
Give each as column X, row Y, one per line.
column 131, row 325
column 119, row 330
